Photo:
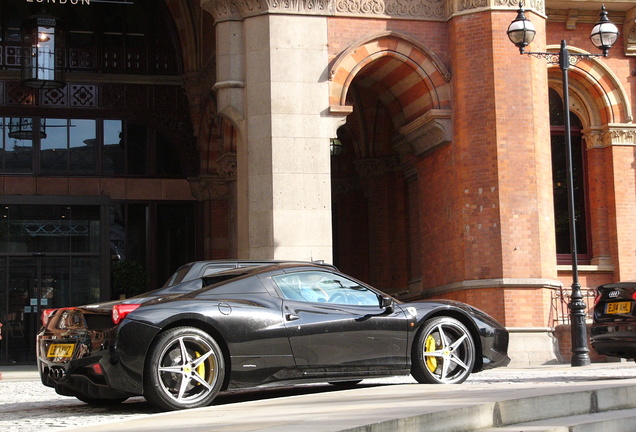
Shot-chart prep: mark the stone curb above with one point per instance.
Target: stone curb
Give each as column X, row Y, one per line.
column 576, row 409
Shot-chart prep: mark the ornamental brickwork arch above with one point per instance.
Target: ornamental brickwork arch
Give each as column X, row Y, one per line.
column 597, row 96
column 410, row 79
column 599, row 100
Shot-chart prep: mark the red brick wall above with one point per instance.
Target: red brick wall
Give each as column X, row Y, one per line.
column 484, row 202
column 623, row 201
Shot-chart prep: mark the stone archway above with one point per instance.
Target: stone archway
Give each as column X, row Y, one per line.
column 397, row 95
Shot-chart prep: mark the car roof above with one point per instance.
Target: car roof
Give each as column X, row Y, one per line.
column 197, row 269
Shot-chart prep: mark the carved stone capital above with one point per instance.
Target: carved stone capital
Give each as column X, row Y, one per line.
column 427, row 132
column 593, row 138
column 227, row 166
column 208, row 187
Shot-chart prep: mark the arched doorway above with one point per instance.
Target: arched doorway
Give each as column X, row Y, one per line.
column 398, row 92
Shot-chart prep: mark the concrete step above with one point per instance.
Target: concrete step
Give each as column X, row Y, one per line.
column 608, row 421
column 606, row 409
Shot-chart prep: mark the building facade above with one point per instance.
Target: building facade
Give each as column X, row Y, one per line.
column 407, row 142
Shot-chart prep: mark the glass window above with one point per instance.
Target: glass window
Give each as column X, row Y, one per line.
column 176, row 224
column 54, row 147
column 75, row 147
column 55, row 228
column 324, row 287
column 114, row 147
column 559, row 182
column 83, row 147
column 17, row 144
column 168, row 162
column 84, row 287
column 108, row 36
column 137, row 148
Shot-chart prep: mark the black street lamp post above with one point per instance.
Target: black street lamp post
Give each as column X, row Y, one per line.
column 521, row 32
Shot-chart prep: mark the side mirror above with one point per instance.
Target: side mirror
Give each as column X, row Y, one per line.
column 386, row 302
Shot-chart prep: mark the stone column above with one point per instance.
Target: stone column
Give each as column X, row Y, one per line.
column 288, row 186
column 272, row 85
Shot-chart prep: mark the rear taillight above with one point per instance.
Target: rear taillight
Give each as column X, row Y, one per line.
column 46, row 314
column 634, row 295
column 121, row 310
column 597, row 298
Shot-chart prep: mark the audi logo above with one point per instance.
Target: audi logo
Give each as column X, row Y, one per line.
column 57, row 373
column 613, row 294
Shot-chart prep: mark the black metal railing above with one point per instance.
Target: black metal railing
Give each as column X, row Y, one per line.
column 560, row 299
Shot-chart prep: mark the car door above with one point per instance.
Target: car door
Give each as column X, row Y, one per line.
column 336, row 324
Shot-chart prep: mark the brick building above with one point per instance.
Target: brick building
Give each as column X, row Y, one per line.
column 208, row 129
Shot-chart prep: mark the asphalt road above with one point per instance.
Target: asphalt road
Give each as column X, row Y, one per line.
column 27, row 406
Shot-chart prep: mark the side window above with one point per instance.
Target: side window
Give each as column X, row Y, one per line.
column 324, row 287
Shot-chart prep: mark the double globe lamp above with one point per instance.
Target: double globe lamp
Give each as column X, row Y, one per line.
column 521, row 32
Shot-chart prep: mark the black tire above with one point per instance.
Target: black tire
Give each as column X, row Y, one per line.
column 101, row 402
column 444, row 352
column 184, row 369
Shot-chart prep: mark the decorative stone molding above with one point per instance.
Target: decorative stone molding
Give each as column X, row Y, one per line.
column 227, row 166
column 199, row 84
column 376, row 167
column 467, row 6
column 208, row 187
column 615, row 134
column 593, row 138
column 429, row 10
column 427, row 132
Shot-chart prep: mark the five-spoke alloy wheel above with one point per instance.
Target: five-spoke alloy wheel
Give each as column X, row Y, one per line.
column 184, row 369
column 444, row 352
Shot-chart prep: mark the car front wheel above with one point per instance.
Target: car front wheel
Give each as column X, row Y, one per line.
column 184, row 369
column 444, row 352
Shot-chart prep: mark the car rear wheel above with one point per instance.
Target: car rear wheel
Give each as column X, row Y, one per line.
column 444, row 352
column 184, row 369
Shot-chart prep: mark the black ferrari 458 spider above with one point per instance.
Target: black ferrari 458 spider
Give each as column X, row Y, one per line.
column 258, row 325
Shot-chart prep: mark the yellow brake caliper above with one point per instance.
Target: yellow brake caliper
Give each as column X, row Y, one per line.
column 201, row 367
column 430, row 346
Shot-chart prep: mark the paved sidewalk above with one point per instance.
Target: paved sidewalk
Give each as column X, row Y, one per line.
column 543, row 398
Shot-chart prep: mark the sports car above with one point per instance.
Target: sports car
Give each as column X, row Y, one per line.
column 613, row 331
column 265, row 325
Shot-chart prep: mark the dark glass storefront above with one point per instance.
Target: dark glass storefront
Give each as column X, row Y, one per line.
column 60, row 251
column 50, row 256
column 93, row 174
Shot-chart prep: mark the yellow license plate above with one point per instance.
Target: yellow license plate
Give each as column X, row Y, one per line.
column 618, row 308
column 60, row 350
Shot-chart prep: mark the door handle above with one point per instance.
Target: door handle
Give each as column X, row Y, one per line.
column 291, row 317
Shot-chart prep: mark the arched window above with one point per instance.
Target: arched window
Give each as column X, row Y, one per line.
column 559, row 183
